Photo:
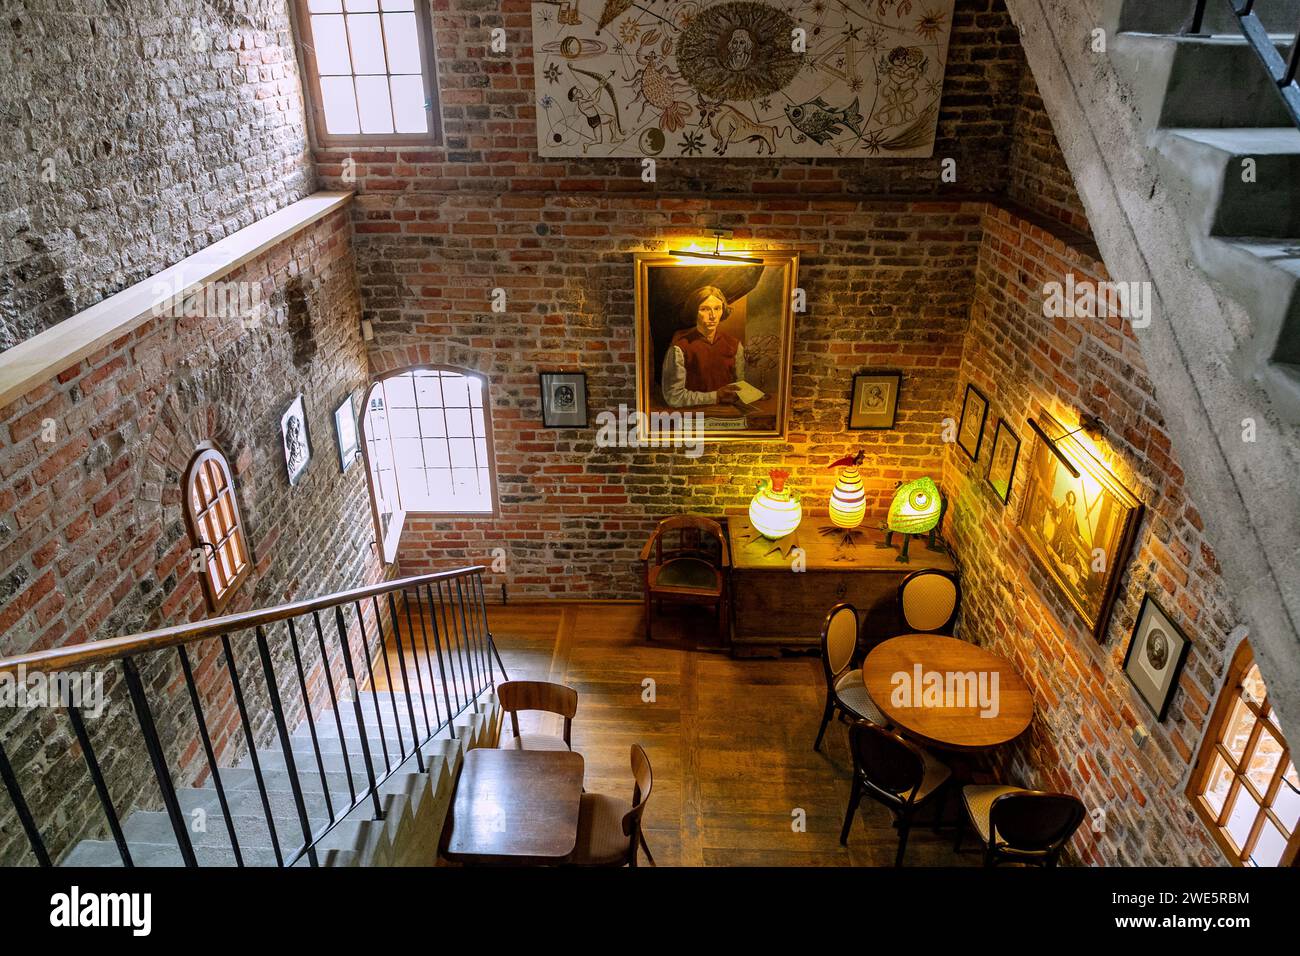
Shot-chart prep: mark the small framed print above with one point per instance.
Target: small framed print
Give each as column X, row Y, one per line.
column 345, row 433
column 297, row 444
column 970, row 430
column 874, row 401
column 1155, row 656
column 564, row 399
column 1002, row 462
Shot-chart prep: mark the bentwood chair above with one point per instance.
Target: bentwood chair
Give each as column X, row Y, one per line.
column 517, row 695
column 609, row 830
column 929, row 599
column 692, row 569
column 846, row 692
column 1020, row 826
column 896, row 773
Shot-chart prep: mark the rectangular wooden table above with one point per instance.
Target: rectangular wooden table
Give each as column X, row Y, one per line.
column 774, row 608
column 516, row 807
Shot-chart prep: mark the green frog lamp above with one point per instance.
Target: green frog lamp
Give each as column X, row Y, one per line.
column 917, row 508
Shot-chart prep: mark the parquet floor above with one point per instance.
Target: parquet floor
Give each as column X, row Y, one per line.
column 730, row 740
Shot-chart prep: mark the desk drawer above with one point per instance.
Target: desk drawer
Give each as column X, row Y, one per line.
column 784, row 609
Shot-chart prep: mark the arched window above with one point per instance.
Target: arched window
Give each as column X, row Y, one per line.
column 1244, row 784
column 212, row 514
column 427, row 436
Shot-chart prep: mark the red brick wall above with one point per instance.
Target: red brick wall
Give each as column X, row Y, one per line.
column 1039, row 177
column 888, row 286
column 93, row 543
column 1082, row 737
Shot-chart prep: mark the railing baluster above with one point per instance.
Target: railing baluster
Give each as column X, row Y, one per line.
column 334, row 704
column 428, row 661
column 448, row 631
column 311, row 720
column 1293, row 64
column 145, row 719
column 209, row 753
column 406, row 684
column 356, row 708
column 388, row 676
column 277, row 712
column 374, row 698
column 482, row 604
column 238, row 689
column 474, row 661
column 24, row 812
column 415, row 660
column 442, row 667
column 97, row 779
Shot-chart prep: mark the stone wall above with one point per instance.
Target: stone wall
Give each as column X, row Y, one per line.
column 136, row 134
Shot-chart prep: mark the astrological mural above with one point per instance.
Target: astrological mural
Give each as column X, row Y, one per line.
column 714, row 78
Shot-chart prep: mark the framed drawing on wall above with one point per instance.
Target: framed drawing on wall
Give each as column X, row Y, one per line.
column 1080, row 529
column 1002, row 461
column 874, row 401
column 345, row 433
column 714, row 341
column 297, row 444
column 564, row 399
column 970, row 428
column 1155, row 656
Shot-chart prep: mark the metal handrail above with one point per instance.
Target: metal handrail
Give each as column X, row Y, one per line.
column 462, row 646
column 1283, row 72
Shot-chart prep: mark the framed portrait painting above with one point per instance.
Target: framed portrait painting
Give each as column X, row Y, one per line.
column 1079, row 528
column 1002, row 460
column 970, row 427
column 345, row 433
column 714, row 342
column 297, row 444
column 1155, row 656
column 564, row 399
column 874, row 402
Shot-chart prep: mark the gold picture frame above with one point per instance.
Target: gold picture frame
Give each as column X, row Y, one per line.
column 747, row 308
column 1079, row 530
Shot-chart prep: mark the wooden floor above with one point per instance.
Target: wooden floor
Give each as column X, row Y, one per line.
column 730, row 741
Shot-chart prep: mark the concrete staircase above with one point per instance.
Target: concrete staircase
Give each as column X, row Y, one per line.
column 415, row 803
column 1230, row 154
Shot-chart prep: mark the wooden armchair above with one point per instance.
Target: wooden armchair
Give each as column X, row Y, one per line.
column 689, row 570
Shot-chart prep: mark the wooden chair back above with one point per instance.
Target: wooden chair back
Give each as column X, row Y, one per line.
column 929, row 599
column 517, row 695
column 644, row 778
column 695, row 536
column 888, row 763
column 839, row 641
column 1034, row 822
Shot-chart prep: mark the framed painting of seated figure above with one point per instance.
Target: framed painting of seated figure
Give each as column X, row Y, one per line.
column 714, row 344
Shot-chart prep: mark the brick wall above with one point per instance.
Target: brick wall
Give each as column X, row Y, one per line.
column 1082, row 737
column 93, row 542
column 137, row 134
column 887, row 283
column 1039, row 177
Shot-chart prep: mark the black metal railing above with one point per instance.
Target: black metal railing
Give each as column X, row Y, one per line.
column 1283, row 71
column 438, row 677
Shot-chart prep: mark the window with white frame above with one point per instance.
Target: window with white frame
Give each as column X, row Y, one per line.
column 369, row 70
column 428, row 442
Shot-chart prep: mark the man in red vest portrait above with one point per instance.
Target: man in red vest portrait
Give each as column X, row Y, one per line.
column 703, row 363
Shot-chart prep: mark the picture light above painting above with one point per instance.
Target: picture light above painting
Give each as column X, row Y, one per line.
column 715, row 78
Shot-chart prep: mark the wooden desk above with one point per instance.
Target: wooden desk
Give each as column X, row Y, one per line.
column 517, row 807
column 774, row 608
column 948, row 728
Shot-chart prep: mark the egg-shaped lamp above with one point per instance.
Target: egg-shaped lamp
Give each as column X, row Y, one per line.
column 848, row 505
column 916, row 507
column 775, row 510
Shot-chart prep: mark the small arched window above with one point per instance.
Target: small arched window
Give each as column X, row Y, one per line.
column 220, row 551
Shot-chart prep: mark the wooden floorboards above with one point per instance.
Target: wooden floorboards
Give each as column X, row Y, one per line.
column 730, row 740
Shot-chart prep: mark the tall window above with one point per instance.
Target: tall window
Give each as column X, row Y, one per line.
column 427, row 435
column 1244, row 785
column 369, row 70
column 212, row 513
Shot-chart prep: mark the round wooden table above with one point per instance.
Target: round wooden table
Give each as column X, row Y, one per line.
column 943, row 724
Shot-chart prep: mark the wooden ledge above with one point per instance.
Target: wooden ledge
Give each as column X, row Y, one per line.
column 37, row 360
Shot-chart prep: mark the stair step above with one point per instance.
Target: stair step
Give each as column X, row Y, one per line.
column 1198, row 82
column 1169, row 16
column 104, row 853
